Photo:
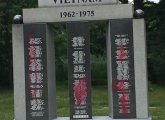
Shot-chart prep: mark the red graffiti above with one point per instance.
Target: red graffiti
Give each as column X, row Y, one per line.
column 122, row 52
column 123, row 96
column 124, row 105
column 80, row 92
column 120, row 85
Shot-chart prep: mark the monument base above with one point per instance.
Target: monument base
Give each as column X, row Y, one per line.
column 102, row 118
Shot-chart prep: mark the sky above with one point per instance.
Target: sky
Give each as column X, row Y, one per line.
column 155, row 1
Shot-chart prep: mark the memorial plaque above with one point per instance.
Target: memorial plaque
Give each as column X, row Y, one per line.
column 77, row 13
column 123, row 77
column 79, row 70
column 46, row 3
column 36, row 72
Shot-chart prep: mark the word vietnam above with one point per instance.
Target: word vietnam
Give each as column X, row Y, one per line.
column 76, row 1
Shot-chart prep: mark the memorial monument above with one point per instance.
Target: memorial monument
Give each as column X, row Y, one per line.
column 34, row 61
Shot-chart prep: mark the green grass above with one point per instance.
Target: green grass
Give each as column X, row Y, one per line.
column 99, row 101
column 6, row 104
column 157, row 102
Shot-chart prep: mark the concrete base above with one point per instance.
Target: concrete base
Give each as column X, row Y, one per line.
column 102, row 118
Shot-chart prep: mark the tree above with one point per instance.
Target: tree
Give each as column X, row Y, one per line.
column 138, row 4
column 155, row 40
column 5, row 43
column 9, row 8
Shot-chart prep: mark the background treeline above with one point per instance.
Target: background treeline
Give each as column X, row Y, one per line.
column 155, row 27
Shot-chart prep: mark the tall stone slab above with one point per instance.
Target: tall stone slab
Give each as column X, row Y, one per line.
column 79, row 70
column 37, row 84
column 127, row 75
column 122, row 65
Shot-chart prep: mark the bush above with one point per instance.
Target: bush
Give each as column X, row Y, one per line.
column 98, row 70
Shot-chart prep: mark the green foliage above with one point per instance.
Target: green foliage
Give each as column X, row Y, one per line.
column 155, row 40
column 98, row 70
column 5, row 42
column 98, row 38
column 60, row 51
column 8, row 9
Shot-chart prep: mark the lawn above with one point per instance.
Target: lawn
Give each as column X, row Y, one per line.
column 157, row 102
column 99, row 101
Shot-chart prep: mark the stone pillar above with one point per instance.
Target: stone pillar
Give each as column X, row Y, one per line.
column 79, row 70
column 19, row 72
column 127, row 71
column 33, row 52
column 140, row 62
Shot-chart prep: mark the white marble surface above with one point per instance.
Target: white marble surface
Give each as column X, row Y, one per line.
column 78, row 13
column 140, row 61
column 100, row 118
column 18, row 72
